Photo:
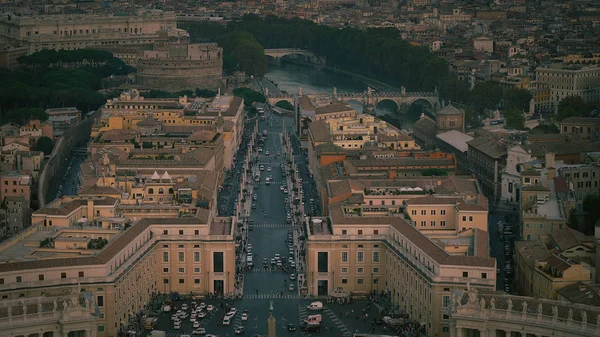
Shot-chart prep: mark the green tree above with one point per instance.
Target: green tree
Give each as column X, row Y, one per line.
column 485, row 95
column 285, row 105
column 250, row 96
column 45, row 145
column 571, row 106
column 592, row 213
column 243, row 52
column 516, row 98
column 515, row 119
column 22, row 116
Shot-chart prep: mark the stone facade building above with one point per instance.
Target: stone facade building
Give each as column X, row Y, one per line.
column 175, row 64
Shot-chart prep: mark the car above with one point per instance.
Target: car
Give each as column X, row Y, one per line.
column 167, row 308
column 273, row 261
column 293, row 265
column 202, row 306
column 290, row 259
column 184, row 307
column 279, row 264
column 199, row 332
column 291, row 287
column 253, row 206
column 291, row 327
column 292, row 277
column 277, row 256
column 174, row 317
column 177, row 326
column 267, row 153
column 232, row 311
column 281, row 188
column 285, row 190
column 196, row 324
column 269, row 169
column 244, row 317
column 184, row 315
column 210, row 307
column 240, row 330
column 265, row 261
column 262, row 168
column 250, row 228
column 226, row 320
column 202, row 314
column 192, row 318
column 177, row 320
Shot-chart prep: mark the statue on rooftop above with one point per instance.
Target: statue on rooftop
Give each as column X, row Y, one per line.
column 524, row 307
column 482, row 303
column 555, row 312
column 493, row 303
column 570, row 317
column 583, row 317
column 509, row 305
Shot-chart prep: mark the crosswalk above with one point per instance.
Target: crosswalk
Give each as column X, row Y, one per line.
column 272, row 225
column 329, row 316
column 337, row 322
column 275, row 183
column 271, row 296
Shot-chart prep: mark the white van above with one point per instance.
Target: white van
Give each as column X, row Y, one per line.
column 315, row 306
column 314, row 319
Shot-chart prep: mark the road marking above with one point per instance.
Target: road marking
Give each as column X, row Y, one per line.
column 270, row 296
column 268, row 225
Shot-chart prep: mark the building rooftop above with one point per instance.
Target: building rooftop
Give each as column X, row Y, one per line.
column 411, row 233
column 456, row 139
column 581, row 293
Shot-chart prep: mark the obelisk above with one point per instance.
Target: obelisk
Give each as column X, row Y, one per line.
column 271, row 322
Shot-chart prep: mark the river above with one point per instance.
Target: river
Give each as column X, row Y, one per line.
column 290, row 77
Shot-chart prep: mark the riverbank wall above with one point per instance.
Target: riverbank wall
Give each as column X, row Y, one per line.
column 78, row 134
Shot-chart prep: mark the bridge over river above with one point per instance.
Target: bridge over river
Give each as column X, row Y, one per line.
column 369, row 99
column 307, row 56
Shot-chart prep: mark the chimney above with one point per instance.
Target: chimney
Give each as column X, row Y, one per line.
column 90, row 209
column 549, row 159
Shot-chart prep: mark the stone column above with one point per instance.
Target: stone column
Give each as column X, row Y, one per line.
column 483, row 332
column 459, row 332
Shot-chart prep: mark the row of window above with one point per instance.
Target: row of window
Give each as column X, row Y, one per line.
column 432, row 223
column 181, row 281
column 181, row 256
column 432, row 212
column 360, row 232
column 360, row 257
column 41, row 277
column 182, row 270
column 360, row 270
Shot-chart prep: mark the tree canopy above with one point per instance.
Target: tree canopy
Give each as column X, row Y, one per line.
column 242, row 52
column 379, row 53
column 285, row 105
column 45, row 145
column 22, row 116
column 515, row 119
column 250, row 96
column 57, row 79
column 571, row 106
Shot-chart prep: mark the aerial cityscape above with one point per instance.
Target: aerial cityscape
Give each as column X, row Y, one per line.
column 431, row 167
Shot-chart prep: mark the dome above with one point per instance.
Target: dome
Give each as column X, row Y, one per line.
column 449, row 110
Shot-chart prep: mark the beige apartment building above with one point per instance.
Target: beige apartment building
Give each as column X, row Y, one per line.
column 97, row 289
column 544, row 266
column 360, row 254
column 564, row 81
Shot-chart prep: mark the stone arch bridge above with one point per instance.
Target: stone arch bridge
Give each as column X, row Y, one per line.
column 308, row 56
column 369, row 99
